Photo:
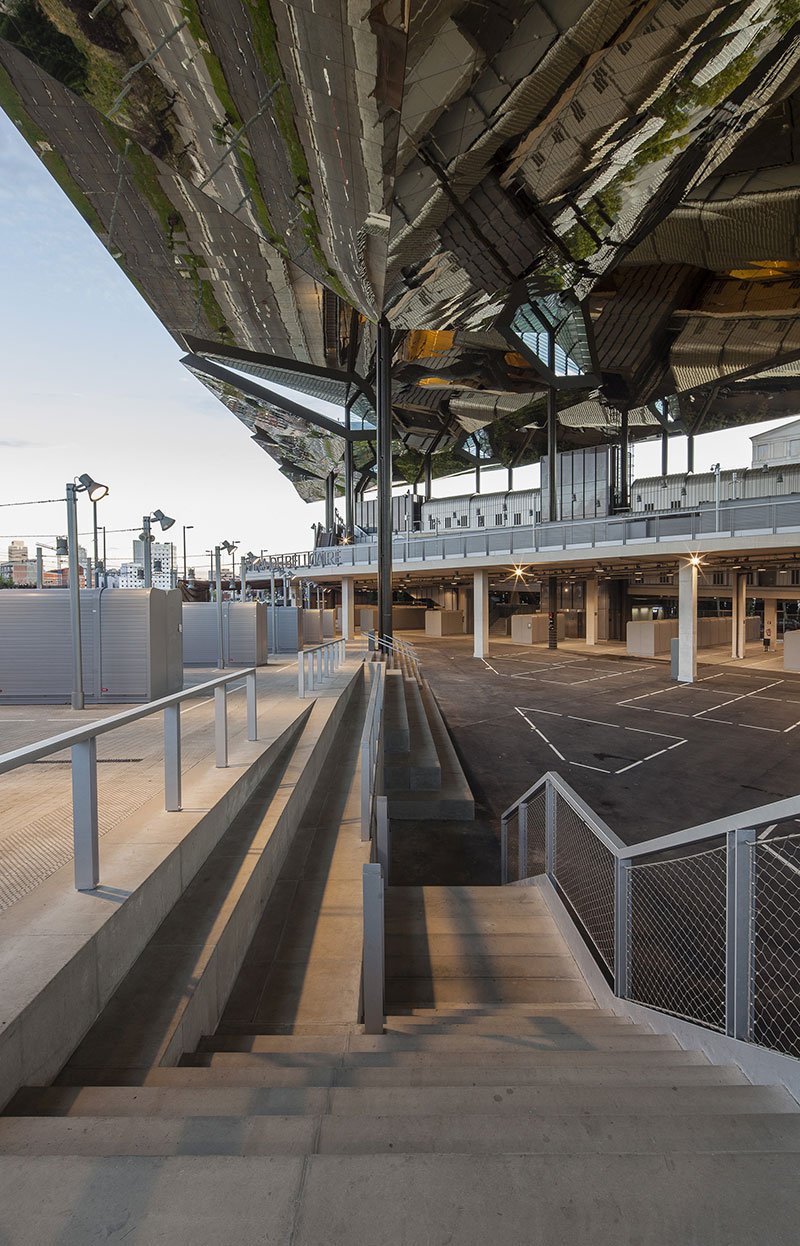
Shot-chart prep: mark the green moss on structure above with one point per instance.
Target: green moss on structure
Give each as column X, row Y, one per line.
column 12, row 105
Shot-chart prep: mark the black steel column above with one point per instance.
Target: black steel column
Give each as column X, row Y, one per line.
column 552, row 431
column 690, row 452
column 477, row 476
column 329, row 501
column 552, row 612
column 665, row 453
column 624, row 464
column 510, row 479
column 428, row 477
column 383, row 390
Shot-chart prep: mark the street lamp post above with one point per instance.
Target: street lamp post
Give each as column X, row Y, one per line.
column 187, row 527
column 96, row 491
column 147, row 539
column 220, row 628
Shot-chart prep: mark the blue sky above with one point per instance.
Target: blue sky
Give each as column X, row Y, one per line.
column 91, row 382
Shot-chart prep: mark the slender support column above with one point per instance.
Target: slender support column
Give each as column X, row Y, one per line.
column 243, row 579
column 771, row 622
column 665, row 453
column 687, row 623
column 74, row 598
column 552, row 454
column 329, row 484
column 39, row 568
column 428, row 477
column 738, row 639
column 383, row 389
column 348, row 609
column 348, row 482
column 511, row 480
column 477, row 476
column 148, row 552
column 590, row 609
column 480, row 613
column 552, row 612
column 622, row 884
column 624, row 463
column 690, row 453
column 220, row 627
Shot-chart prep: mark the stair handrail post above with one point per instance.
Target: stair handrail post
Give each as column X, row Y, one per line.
column 622, row 926
column 740, row 880
column 504, row 850
column 382, row 834
column 522, row 841
column 550, row 831
column 301, row 674
column 373, row 949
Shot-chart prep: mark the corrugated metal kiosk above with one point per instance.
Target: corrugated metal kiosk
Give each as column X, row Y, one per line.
column 131, row 644
column 244, row 632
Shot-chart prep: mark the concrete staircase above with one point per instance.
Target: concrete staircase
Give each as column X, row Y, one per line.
column 422, row 773
column 515, row 1110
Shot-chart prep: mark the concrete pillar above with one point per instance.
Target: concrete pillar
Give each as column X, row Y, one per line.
column 771, row 621
column 739, row 614
column 590, row 609
column 348, row 609
column 480, row 613
column 687, row 623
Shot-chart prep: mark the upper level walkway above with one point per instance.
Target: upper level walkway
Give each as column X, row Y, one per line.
column 771, row 524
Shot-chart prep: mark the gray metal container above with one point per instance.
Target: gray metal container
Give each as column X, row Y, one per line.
column 244, row 631
column 131, row 645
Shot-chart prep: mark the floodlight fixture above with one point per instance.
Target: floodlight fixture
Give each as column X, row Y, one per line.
column 94, row 488
column 163, row 520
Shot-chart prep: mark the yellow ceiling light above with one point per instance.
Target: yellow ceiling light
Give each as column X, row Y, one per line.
column 762, row 270
column 422, row 343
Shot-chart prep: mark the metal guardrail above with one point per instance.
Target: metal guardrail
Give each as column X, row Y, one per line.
column 372, row 751
column 400, row 650
column 703, row 923
column 744, row 519
column 82, row 743
column 317, row 663
column 373, row 970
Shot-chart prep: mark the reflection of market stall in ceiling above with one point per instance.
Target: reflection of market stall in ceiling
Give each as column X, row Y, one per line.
column 592, row 195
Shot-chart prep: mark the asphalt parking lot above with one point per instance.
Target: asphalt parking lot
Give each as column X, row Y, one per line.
column 650, row 756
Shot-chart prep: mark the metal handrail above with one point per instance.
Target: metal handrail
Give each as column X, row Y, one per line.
column 393, row 645
column 322, row 662
column 82, row 742
column 620, row 921
column 371, row 750
column 762, row 815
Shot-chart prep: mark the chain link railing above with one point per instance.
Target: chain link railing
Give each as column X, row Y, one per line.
column 677, row 924
column 703, row 924
column 775, row 904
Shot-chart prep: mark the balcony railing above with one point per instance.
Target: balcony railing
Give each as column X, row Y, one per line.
column 526, row 540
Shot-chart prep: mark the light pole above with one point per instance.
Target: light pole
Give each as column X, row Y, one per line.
column 187, row 527
column 231, row 546
column 96, row 491
column 220, row 629
column 146, row 537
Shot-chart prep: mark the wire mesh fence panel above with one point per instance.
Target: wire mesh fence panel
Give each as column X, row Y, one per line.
column 537, row 823
column 512, row 848
column 584, row 871
column 776, row 944
column 678, row 936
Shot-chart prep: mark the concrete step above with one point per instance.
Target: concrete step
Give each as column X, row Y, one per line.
column 452, row 800
column 449, row 1012
column 347, row 1200
column 419, row 768
column 421, row 943
column 481, row 1024
column 488, row 990
column 583, row 1098
column 443, row 1045
column 480, row 965
column 431, row 897
column 233, row 1068
column 476, row 925
column 396, row 739
column 370, row 1135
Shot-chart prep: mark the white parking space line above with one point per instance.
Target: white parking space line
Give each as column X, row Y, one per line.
column 797, row 724
column 533, row 727
column 583, row 766
column 742, row 697
column 595, row 722
column 634, row 764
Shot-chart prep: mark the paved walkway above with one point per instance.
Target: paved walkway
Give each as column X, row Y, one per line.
column 36, row 828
